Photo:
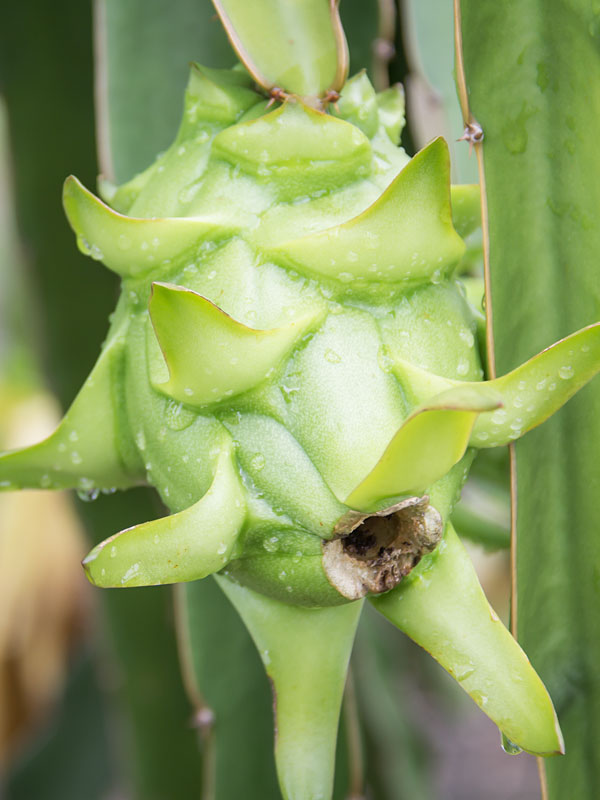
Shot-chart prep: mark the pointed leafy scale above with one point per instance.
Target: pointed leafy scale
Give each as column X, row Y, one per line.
column 391, row 111
column 183, row 547
column 427, row 445
column 210, row 356
column 134, row 247
column 358, row 104
column 442, row 607
column 297, row 46
column 217, row 95
column 534, row 391
column 466, row 207
column 406, row 235
column 85, row 451
column 305, row 652
column 530, row 393
column 296, row 149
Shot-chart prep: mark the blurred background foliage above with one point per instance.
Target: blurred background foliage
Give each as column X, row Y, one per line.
column 92, row 700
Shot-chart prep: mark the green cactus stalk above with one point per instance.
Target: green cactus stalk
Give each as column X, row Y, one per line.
column 293, row 365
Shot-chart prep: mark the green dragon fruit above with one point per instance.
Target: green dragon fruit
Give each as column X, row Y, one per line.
column 293, row 364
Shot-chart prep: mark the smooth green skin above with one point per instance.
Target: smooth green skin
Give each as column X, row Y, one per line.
column 528, row 68
column 336, row 394
column 308, row 62
column 443, row 608
column 305, row 653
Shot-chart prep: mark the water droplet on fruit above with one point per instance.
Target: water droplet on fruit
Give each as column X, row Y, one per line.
column 75, row 457
column 123, row 242
column 499, row 416
column 88, row 495
column 332, row 356
column 257, row 461
column 566, row 372
column 509, row 747
column 463, row 367
column 271, row 545
column 96, row 253
column 222, row 548
column 467, row 337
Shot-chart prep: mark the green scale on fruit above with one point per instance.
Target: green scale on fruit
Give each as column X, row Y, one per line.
column 293, row 364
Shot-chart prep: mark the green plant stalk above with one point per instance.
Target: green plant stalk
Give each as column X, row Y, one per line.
column 272, row 258
column 525, row 67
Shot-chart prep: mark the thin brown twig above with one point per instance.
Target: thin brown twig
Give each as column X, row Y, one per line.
column 474, row 135
column 541, row 765
column 513, row 540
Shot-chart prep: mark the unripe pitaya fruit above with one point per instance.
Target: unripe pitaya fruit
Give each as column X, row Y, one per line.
column 293, row 365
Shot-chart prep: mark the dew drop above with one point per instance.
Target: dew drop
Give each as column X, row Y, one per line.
column 566, row 372
column 113, row 552
column 222, row 548
column 383, row 359
column 257, row 461
column 467, row 337
column 123, row 242
column 75, row 457
column 88, row 495
column 509, row 747
column 499, row 416
column 463, row 367
column 96, row 253
column 140, row 440
column 332, row 356
column 271, row 545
